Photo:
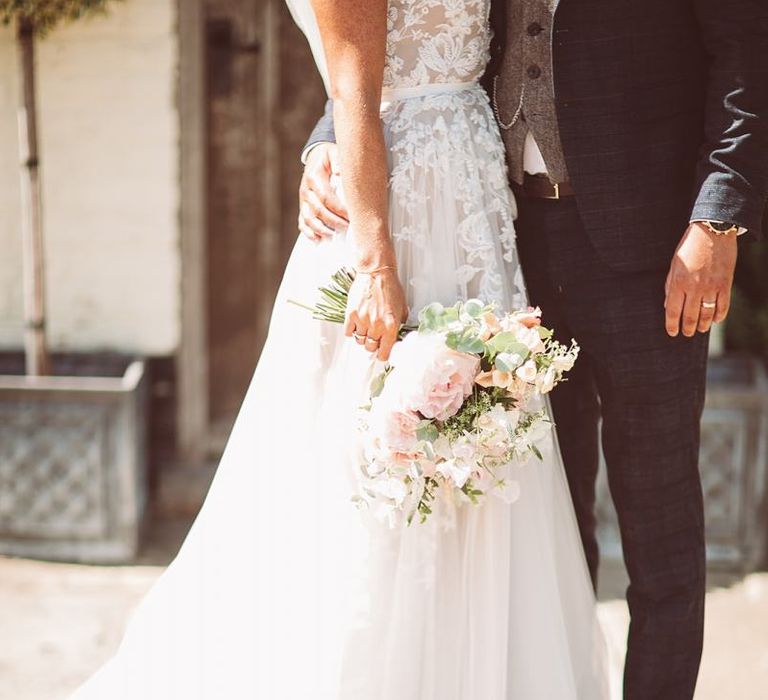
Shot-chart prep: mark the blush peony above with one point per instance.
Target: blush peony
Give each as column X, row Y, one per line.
column 430, row 378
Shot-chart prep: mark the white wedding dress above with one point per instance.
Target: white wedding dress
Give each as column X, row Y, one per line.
column 283, row 590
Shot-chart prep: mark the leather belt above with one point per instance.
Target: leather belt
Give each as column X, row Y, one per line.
column 539, row 187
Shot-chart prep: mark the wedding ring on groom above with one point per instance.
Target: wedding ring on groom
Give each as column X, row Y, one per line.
column 708, row 304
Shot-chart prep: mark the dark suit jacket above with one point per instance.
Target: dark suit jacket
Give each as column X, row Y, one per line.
column 663, row 114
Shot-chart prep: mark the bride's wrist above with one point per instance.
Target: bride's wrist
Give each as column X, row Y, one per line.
column 375, row 262
column 381, row 269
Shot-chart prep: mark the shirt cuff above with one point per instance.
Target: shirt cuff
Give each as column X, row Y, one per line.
column 305, row 153
column 742, row 230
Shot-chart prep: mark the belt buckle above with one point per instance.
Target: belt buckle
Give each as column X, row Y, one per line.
column 557, row 191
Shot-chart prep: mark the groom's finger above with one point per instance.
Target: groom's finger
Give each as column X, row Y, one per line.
column 321, row 207
column 674, row 307
column 723, row 305
column 691, row 314
column 707, row 313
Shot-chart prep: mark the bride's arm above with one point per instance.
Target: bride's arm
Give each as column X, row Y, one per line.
column 354, row 38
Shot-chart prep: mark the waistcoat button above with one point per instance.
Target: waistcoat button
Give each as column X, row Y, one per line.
column 533, row 72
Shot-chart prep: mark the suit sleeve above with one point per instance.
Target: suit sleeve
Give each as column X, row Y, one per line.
column 323, row 132
column 732, row 176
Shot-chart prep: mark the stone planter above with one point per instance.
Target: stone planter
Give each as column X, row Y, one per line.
column 733, row 462
column 73, row 460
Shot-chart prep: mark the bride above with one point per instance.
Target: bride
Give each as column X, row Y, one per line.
column 283, row 590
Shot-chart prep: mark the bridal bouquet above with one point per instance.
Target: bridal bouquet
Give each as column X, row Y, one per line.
column 453, row 413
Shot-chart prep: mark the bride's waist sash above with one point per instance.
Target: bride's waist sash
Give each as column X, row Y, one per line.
column 397, row 94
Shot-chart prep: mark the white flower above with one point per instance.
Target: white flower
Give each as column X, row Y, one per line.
column 546, row 382
column 531, row 339
column 442, row 447
column 463, row 450
column 456, row 472
column 527, row 372
column 563, row 363
column 391, row 489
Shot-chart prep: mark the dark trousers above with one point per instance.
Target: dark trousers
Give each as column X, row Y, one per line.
column 648, row 389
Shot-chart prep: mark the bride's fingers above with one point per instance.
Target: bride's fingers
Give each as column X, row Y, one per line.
column 388, row 338
column 350, row 325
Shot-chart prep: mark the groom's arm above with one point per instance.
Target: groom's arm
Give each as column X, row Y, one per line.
column 732, row 175
column 321, row 211
column 324, row 131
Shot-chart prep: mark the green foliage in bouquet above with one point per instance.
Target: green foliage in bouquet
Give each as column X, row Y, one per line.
column 746, row 329
column 44, row 15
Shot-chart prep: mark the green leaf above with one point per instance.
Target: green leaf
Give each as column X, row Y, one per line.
column 471, row 344
column 506, row 343
column 453, row 339
column 450, row 315
column 545, row 333
column 377, row 384
column 474, row 308
column 427, row 431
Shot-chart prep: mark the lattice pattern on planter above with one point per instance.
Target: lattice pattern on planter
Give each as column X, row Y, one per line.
column 723, row 463
column 51, row 481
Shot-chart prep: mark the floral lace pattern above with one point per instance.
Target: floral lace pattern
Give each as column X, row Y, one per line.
column 436, row 41
column 451, row 204
column 449, row 144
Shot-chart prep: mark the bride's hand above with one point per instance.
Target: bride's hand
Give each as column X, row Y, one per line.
column 375, row 311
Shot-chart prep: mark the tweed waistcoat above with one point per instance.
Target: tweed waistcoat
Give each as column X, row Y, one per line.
column 524, row 92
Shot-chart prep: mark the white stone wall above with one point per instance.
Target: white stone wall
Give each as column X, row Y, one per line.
column 109, row 154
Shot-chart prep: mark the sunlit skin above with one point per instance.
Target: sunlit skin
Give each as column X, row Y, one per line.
column 354, row 37
column 701, row 271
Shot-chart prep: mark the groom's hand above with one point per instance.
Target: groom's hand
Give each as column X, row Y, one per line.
column 321, row 211
column 701, row 273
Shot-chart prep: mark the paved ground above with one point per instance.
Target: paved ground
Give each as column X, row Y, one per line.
column 59, row 621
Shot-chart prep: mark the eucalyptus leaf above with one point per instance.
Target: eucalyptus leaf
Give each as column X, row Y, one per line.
column 429, row 316
column 453, row 339
column 509, row 361
column 471, row 344
column 427, row 431
column 474, row 308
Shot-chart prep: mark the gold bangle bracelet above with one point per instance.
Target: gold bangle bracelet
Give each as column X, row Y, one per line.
column 375, row 270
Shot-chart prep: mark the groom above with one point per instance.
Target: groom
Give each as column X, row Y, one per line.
column 637, row 143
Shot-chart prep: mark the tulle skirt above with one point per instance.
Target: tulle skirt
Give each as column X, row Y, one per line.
column 283, row 589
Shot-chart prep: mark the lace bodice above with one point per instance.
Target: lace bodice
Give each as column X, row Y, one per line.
column 436, row 41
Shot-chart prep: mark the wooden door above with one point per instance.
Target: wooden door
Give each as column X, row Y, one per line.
column 262, row 97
